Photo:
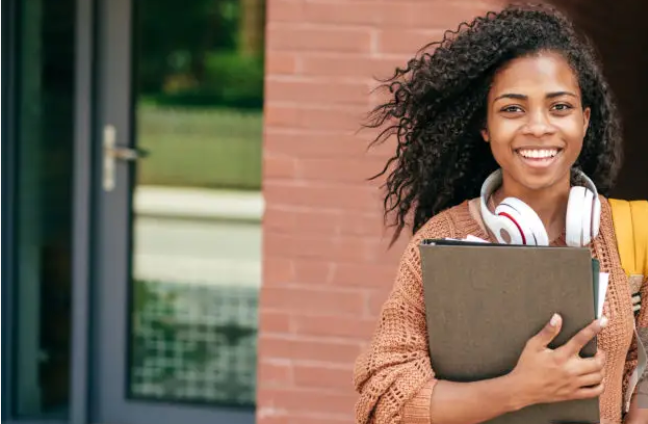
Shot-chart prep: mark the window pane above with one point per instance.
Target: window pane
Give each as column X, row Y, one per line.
column 44, row 191
column 197, row 202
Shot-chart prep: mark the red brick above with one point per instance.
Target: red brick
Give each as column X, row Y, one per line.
column 323, row 222
column 433, row 14
column 294, row 116
column 344, row 249
column 320, row 377
column 342, row 13
column 281, row 116
column 271, row 415
column 348, row 419
column 263, row 417
column 323, row 197
column 278, row 219
column 272, row 374
column 277, row 269
column 358, row 249
column 281, row 63
column 352, row 170
column 286, row 220
column 376, row 302
column 316, row 272
column 309, row 351
column 368, row 224
column 286, row 37
column 274, row 322
column 307, row 144
column 336, row 65
column 406, row 41
column 317, row 92
column 279, row 167
column 326, row 302
column 364, row 275
column 304, row 144
column 336, row 326
column 304, row 401
column 285, row 11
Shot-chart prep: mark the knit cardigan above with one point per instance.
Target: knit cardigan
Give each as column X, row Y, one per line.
column 394, row 375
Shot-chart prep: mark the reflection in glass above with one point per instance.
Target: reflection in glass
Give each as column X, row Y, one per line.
column 44, row 208
column 197, row 206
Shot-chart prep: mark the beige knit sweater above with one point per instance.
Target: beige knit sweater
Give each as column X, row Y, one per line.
column 394, row 375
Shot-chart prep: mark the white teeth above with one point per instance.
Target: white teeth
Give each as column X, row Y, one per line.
column 538, row 154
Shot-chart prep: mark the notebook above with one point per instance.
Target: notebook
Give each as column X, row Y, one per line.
column 484, row 301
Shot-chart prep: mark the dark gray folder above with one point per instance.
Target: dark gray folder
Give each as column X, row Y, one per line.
column 484, row 301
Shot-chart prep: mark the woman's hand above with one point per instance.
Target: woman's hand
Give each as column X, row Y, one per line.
column 545, row 375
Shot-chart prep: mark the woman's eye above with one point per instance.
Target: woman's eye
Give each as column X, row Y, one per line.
column 511, row 109
column 562, row 107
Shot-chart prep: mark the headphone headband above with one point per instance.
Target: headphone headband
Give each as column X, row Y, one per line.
column 515, row 213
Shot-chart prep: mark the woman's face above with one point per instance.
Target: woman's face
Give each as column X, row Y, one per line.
column 535, row 122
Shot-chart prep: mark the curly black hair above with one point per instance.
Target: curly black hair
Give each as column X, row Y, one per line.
column 437, row 107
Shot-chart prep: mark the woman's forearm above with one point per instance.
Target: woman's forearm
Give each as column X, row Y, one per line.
column 475, row 402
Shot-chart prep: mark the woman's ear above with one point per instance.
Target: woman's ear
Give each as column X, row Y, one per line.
column 485, row 135
column 586, row 118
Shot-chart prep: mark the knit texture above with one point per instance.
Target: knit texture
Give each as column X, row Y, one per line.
column 394, row 376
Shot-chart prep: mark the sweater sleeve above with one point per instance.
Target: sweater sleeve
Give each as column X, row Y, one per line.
column 642, row 329
column 394, row 376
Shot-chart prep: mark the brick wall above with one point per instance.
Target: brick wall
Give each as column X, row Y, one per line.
column 326, row 264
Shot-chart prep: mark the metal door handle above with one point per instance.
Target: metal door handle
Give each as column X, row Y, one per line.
column 111, row 152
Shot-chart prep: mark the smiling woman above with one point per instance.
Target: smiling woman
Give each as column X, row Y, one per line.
column 536, row 122
column 507, row 131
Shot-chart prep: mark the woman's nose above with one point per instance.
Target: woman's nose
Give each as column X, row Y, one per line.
column 538, row 124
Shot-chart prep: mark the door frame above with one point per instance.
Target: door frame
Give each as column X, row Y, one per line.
column 83, row 226
column 99, row 66
column 110, row 300
column 80, row 285
column 9, row 100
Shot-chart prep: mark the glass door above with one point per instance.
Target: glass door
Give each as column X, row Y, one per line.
column 37, row 302
column 179, row 215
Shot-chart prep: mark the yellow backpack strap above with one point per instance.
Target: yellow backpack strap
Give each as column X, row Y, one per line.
column 623, row 227
column 631, row 227
column 639, row 213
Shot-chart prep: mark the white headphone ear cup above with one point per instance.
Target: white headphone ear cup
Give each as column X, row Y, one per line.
column 588, row 206
column 527, row 220
column 508, row 222
column 574, row 219
column 596, row 216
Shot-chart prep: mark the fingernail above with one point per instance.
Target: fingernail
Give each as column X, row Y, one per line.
column 554, row 320
column 603, row 321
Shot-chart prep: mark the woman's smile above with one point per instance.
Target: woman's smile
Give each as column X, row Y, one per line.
column 539, row 157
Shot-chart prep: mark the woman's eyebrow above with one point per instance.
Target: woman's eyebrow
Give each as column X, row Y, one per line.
column 514, row 96
column 561, row 93
column 517, row 96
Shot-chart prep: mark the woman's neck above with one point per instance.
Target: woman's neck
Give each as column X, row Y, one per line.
column 550, row 204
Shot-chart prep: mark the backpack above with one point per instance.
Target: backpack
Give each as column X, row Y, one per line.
column 631, row 227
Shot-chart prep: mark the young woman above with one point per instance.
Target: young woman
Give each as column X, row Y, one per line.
column 518, row 93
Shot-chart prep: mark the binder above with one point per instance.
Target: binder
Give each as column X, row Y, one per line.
column 484, row 301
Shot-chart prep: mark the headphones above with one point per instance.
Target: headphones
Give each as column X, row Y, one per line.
column 515, row 222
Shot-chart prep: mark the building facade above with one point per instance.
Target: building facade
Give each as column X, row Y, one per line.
column 189, row 233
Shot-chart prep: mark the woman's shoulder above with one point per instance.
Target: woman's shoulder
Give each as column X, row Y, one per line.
column 449, row 223
column 456, row 221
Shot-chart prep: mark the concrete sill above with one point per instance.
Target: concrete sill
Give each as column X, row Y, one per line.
column 196, row 203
